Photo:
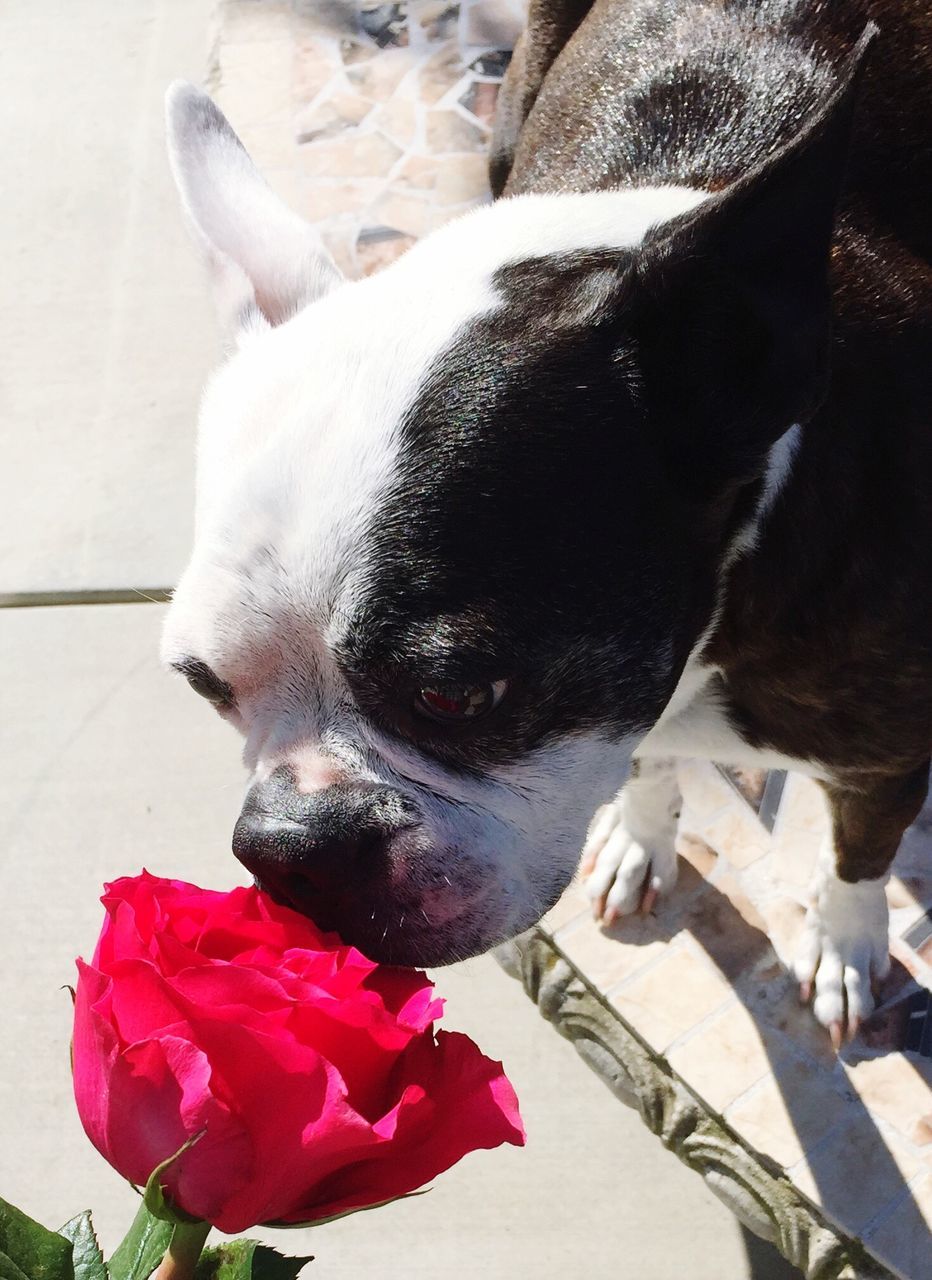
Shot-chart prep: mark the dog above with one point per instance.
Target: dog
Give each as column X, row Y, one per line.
column 631, row 464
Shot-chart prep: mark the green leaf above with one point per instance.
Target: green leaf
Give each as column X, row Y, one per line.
column 247, row 1260
column 142, row 1248
column 86, row 1258
column 9, row 1270
column 29, row 1247
column 156, row 1201
column 268, row 1264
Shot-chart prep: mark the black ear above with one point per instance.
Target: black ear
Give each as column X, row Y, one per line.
column 736, row 303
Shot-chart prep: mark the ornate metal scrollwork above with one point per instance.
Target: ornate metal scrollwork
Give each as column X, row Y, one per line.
column 758, row 1193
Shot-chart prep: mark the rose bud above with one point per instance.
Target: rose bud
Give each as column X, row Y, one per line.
column 314, row 1077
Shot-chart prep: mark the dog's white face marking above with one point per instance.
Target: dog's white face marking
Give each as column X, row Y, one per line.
column 299, row 443
column 299, row 429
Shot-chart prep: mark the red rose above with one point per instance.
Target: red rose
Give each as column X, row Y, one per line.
column 316, row 1075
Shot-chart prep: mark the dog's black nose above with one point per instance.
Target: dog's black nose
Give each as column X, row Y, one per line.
column 316, row 852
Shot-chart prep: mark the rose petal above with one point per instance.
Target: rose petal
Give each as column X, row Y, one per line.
column 460, row 1101
column 315, row 1073
column 144, row 1003
column 95, row 1048
column 298, row 1115
column 161, row 1096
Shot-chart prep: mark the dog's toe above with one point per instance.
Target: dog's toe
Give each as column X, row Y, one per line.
column 843, row 996
column 625, row 874
column 602, row 826
column 840, row 955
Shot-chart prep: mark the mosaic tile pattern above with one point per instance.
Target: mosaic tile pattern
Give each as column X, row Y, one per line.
column 373, row 120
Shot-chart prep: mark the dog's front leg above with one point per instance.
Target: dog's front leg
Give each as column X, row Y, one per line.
column 845, row 943
column 630, row 854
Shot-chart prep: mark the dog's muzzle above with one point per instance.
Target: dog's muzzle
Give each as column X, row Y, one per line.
column 333, row 854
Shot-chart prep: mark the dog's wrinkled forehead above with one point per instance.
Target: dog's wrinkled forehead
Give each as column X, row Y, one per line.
column 310, row 430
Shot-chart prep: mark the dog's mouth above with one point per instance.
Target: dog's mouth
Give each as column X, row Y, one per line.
column 359, row 861
column 408, row 932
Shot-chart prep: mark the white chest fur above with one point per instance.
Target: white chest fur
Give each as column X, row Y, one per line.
column 696, row 723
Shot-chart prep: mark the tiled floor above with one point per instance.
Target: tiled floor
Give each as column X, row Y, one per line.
column 705, row 982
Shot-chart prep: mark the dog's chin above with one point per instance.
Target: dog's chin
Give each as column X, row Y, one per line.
column 427, row 950
column 400, row 935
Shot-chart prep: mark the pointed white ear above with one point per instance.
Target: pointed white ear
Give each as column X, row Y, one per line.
column 262, row 257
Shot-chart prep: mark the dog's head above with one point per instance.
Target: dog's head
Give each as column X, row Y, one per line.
column 459, row 524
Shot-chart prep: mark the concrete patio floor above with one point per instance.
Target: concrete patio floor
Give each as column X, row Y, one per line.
column 108, row 765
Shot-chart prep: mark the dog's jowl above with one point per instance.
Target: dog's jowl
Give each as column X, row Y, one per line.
column 633, row 463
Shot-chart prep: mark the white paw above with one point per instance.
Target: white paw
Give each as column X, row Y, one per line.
column 843, row 948
column 626, row 874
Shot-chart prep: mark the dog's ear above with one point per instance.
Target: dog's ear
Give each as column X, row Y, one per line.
column 264, row 260
column 736, row 299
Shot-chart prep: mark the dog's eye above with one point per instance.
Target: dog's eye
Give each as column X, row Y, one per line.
column 452, row 703
column 203, row 681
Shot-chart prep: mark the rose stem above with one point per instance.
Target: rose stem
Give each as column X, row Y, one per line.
column 183, row 1251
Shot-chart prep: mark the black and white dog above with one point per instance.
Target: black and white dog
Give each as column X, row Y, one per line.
column 633, row 463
